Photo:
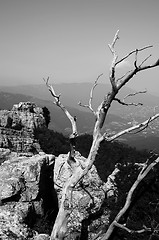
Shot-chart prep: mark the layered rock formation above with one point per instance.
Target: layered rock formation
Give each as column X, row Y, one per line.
column 17, row 127
column 28, row 202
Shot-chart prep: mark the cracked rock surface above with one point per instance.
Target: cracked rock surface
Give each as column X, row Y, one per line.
column 23, row 180
column 88, row 213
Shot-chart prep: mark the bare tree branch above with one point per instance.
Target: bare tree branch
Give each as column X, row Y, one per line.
column 133, row 94
column 120, row 78
column 134, row 51
column 143, row 173
column 122, row 226
column 145, row 60
column 111, row 46
column 60, row 228
column 98, row 235
column 144, row 127
column 127, row 104
column 89, row 106
column 113, row 81
column 135, row 71
column 131, row 129
column 69, row 116
column 51, row 90
column 115, row 56
column 135, row 63
column 122, row 102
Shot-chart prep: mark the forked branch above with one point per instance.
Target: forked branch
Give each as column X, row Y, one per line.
column 61, row 227
column 59, row 104
column 69, row 116
column 115, row 56
column 132, row 52
column 135, row 71
column 119, row 83
column 139, row 127
column 52, row 91
column 122, row 102
column 89, row 105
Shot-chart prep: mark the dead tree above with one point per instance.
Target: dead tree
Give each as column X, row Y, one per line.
column 143, row 173
column 79, row 170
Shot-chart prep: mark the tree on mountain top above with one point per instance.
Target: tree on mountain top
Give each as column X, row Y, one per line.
column 117, row 83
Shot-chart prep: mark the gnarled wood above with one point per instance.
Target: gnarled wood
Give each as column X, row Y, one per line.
column 79, row 171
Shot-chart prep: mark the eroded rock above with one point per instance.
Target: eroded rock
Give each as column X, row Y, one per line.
column 23, row 115
column 23, row 184
column 88, row 213
column 17, row 127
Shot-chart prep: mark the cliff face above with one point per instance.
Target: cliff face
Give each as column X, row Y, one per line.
column 27, row 198
column 31, row 184
column 17, row 127
column 28, row 202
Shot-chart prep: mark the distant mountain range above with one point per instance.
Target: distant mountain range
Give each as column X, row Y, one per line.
column 72, row 93
column 59, row 121
column 120, row 117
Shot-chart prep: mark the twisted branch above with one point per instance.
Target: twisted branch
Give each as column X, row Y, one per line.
column 69, row 116
column 60, row 227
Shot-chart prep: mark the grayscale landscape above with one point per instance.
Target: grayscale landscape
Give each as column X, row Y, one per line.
column 79, row 120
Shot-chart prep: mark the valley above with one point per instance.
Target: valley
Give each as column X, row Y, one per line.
column 120, row 117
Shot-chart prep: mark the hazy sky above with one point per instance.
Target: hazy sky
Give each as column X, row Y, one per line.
column 68, row 39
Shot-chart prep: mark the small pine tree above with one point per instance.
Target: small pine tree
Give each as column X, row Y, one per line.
column 46, row 113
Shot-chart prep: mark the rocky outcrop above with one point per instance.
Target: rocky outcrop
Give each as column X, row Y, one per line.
column 31, row 184
column 28, row 202
column 88, row 213
column 17, row 127
column 27, row 198
column 19, row 141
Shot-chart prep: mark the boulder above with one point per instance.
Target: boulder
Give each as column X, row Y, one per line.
column 24, row 195
column 88, row 199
